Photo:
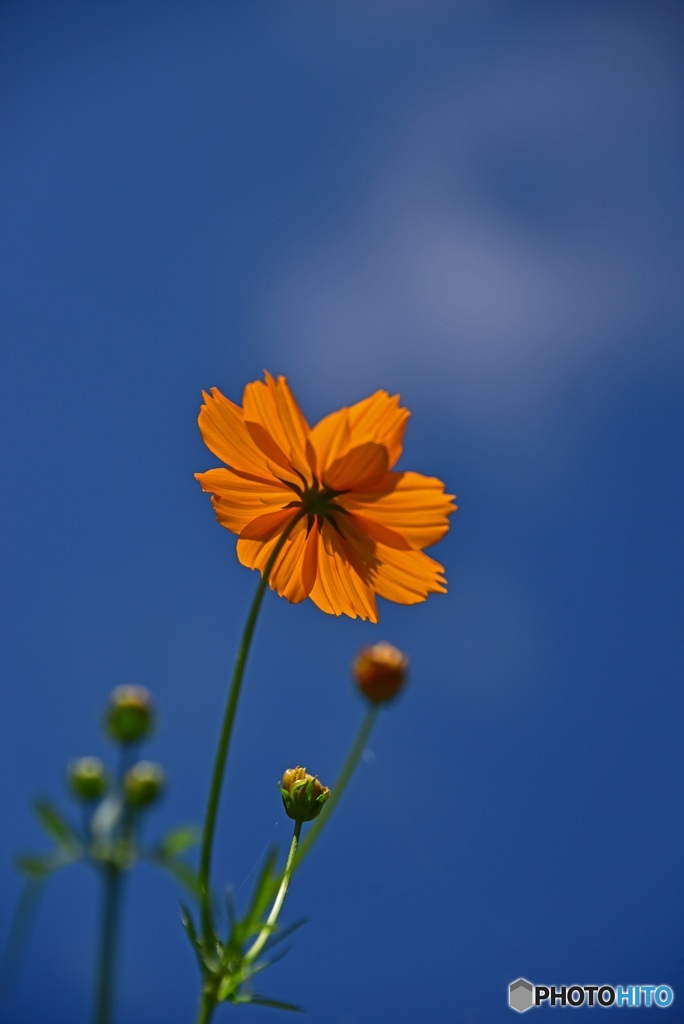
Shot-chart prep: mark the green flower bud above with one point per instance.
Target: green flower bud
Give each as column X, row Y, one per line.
column 143, row 783
column 303, row 795
column 129, row 714
column 380, row 672
column 87, row 778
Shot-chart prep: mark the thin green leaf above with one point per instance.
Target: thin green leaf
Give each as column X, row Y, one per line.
column 35, row 867
column 274, row 1004
column 284, row 933
column 56, row 826
column 191, row 932
column 178, row 841
column 182, row 872
column 261, row 898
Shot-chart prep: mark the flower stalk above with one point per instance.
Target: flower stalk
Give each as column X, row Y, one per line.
column 263, row 936
column 222, row 749
column 112, row 878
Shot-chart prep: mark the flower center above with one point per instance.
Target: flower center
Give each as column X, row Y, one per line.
column 316, row 501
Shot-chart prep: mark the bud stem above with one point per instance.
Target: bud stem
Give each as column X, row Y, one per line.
column 261, row 939
column 226, row 731
column 338, row 788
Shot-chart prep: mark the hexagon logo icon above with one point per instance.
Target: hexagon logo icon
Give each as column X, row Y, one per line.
column 521, row 995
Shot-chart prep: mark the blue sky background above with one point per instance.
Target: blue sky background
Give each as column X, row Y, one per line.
column 477, row 205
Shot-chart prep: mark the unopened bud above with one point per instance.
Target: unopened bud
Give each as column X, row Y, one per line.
column 143, row 783
column 380, row 672
column 87, row 778
column 129, row 714
column 303, row 794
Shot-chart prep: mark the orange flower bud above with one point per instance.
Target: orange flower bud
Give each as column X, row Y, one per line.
column 380, row 672
column 303, row 794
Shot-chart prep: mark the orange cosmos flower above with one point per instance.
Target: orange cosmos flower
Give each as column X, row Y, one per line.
column 357, row 528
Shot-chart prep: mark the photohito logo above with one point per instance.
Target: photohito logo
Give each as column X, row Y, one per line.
column 523, row 995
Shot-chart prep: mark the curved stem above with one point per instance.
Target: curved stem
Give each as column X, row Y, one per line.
column 341, row 782
column 262, row 938
column 226, row 731
column 108, row 937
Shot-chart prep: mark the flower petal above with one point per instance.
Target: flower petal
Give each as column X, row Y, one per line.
column 407, row 577
column 360, row 468
column 380, row 418
column 294, row 572
column 411, row 506
column 339, row 589
column 328, row 441
column 271, row 524
column 353, row 577
column 276, row 423
column 377, row 419
column 223, row 431
column 239, row 499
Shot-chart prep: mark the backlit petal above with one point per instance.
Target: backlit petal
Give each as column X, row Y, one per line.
column 276, row 423
column 238, row 499
column 407, row 577
column 290, row 578
column 294, row 572
column 339, row 589
column 361, row 467
column 328, row 441
column 379, row 418
column 223, row 431
column 271, row 524
column 413, row 507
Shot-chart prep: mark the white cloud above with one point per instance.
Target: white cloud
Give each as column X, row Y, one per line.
column 480, row 295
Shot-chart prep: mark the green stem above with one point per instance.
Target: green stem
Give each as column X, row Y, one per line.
column 108, row 942
column 341, row 782
column 262, row 938
column 353, row 758
column 224, row 738
column 207, row 1004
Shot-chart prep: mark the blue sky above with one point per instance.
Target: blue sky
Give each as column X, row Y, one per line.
column 477, row 206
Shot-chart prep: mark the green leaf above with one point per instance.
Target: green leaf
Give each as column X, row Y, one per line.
column 282, row 934
column 228, row 987
column 178, row 841
column 191, row 931
column 273, row 1003
column 189, row 924
column 37, row 867
column 264, row 892
column 182, row 872
column 56, row 826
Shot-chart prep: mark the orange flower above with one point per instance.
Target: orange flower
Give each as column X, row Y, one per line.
column 356, row 527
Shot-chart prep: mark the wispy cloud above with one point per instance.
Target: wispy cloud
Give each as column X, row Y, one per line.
column 519, row 226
